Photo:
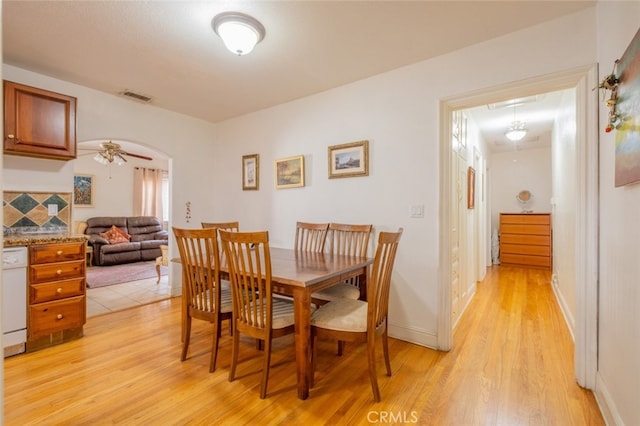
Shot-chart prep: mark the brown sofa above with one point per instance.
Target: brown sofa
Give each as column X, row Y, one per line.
column 145, row 238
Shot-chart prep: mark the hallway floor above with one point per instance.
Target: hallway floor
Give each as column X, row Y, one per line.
column 104, row 300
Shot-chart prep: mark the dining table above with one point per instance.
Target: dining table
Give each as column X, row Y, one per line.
column 298, row 274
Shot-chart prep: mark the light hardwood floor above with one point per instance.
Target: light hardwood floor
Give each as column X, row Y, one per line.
column 511, row 365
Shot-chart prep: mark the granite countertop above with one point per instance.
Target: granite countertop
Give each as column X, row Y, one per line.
column 32, row 239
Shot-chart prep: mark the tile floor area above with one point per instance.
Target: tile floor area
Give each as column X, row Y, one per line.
column 103, row 300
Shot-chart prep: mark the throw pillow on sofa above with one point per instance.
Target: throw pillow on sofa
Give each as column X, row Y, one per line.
column 115, row 235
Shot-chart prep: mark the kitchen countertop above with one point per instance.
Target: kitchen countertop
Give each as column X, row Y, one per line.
column 29, row 240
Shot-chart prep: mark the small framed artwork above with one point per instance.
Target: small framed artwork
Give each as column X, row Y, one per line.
column 348, row 160
column 83, row 190
column 289, row 172
column 250, row 172
column 471, row 188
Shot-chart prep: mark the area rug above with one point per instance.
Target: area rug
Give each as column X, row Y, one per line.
column 101, row 276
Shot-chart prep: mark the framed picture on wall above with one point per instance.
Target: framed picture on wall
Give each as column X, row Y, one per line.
column 289, row 172
column 348, row 160
column 83, row 190
column 250, row 172
column 471, row 188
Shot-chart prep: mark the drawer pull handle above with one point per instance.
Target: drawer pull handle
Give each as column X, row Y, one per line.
column 59, row 252
column 59, row 316
column 59, row 290
column 59, row 272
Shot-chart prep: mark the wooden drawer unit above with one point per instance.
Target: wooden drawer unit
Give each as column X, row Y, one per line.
column 525, row 239
column 57, row 302
column 51, row 317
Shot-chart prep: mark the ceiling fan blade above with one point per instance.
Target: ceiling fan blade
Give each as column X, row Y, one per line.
column 144, row 157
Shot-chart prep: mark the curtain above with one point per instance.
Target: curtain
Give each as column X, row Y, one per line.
column 147, row 192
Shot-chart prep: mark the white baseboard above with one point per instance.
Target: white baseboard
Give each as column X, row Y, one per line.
column 414, row 335
column 564, row 307
column 606, row 404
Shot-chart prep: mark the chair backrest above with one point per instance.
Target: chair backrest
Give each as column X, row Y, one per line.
column 200, row 260
column 350, row 240
column 310, row 236
column 379, row 279
column 249, row 265
column 227, row 226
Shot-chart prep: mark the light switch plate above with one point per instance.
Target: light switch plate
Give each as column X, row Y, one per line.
column 416, row 211
column 52, row 209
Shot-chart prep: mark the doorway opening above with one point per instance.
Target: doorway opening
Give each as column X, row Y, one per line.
column 583, row 80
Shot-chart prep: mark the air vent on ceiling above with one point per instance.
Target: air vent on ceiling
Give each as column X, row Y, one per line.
column 138, row 97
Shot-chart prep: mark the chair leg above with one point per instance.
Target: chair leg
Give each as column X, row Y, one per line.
column 371, row 351
column 234, row 356
column 385, row 348
column 158, row 272
column 214, row 347
column 187, row 335
column 265, row 367
column 340, row 347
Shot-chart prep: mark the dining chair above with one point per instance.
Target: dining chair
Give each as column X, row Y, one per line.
column 361, row 321
column 256, row 312
column 207, row 298
column 350, row 240
column 228, row 226
column 310, row 236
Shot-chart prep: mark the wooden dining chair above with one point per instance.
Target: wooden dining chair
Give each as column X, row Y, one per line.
column 350, row 240
column 256, row 312
column 206, row 297
column 227, row 226
column 361, row 321
column 310, row 236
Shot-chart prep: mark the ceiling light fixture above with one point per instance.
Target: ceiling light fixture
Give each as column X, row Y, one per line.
column 239, row 32
column 517, row 131
column 109, row 153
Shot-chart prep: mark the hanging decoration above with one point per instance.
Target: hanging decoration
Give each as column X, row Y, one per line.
column 610, row 83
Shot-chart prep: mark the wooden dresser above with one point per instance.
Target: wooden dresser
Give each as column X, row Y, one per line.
column 56, row 305
column 525, row 239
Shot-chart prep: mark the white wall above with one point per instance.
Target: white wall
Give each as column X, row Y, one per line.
column 398, row 112
column 514, row 171
column 113, row 189
column 618, row 381
column 564, row 208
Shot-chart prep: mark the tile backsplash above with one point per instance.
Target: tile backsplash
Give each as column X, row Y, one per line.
column 36, row 212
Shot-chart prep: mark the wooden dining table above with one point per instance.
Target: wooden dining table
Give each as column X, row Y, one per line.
column 299, row 274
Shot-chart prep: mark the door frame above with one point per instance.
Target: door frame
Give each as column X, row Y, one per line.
column 583, row 80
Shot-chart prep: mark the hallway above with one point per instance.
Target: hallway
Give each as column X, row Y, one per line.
column 512, row 360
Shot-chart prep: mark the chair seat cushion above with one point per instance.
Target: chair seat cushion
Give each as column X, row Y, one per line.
column 338, row 291
column 342, row 315
column 283, row 312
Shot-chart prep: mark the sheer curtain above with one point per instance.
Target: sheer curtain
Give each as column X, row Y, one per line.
column 147, row 192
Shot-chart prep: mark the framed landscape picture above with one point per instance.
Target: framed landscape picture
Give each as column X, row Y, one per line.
column 250, row 172
column 83, row 190
column 289, row 172
column 348, row 160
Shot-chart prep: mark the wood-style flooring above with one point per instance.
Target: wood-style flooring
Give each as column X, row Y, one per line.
column 512, row 364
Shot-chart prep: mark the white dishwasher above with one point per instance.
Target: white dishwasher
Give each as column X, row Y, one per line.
column 14, row 300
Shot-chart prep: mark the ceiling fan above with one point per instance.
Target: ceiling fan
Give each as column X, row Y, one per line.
column 111, row 152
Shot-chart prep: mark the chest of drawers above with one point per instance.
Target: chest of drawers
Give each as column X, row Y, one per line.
column 525, row 239
column 57, row 302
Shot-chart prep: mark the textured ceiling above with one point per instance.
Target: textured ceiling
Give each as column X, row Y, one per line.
column 168, row 51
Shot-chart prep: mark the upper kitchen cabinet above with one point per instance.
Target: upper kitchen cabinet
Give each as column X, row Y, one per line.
column 39, row 123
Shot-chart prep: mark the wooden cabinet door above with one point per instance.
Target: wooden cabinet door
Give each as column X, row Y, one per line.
column 39, row 123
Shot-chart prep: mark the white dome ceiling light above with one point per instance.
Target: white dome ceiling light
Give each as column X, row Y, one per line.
column 239, row 32
column 517, row 131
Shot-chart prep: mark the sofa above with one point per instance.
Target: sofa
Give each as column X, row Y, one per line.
column 117, row 240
